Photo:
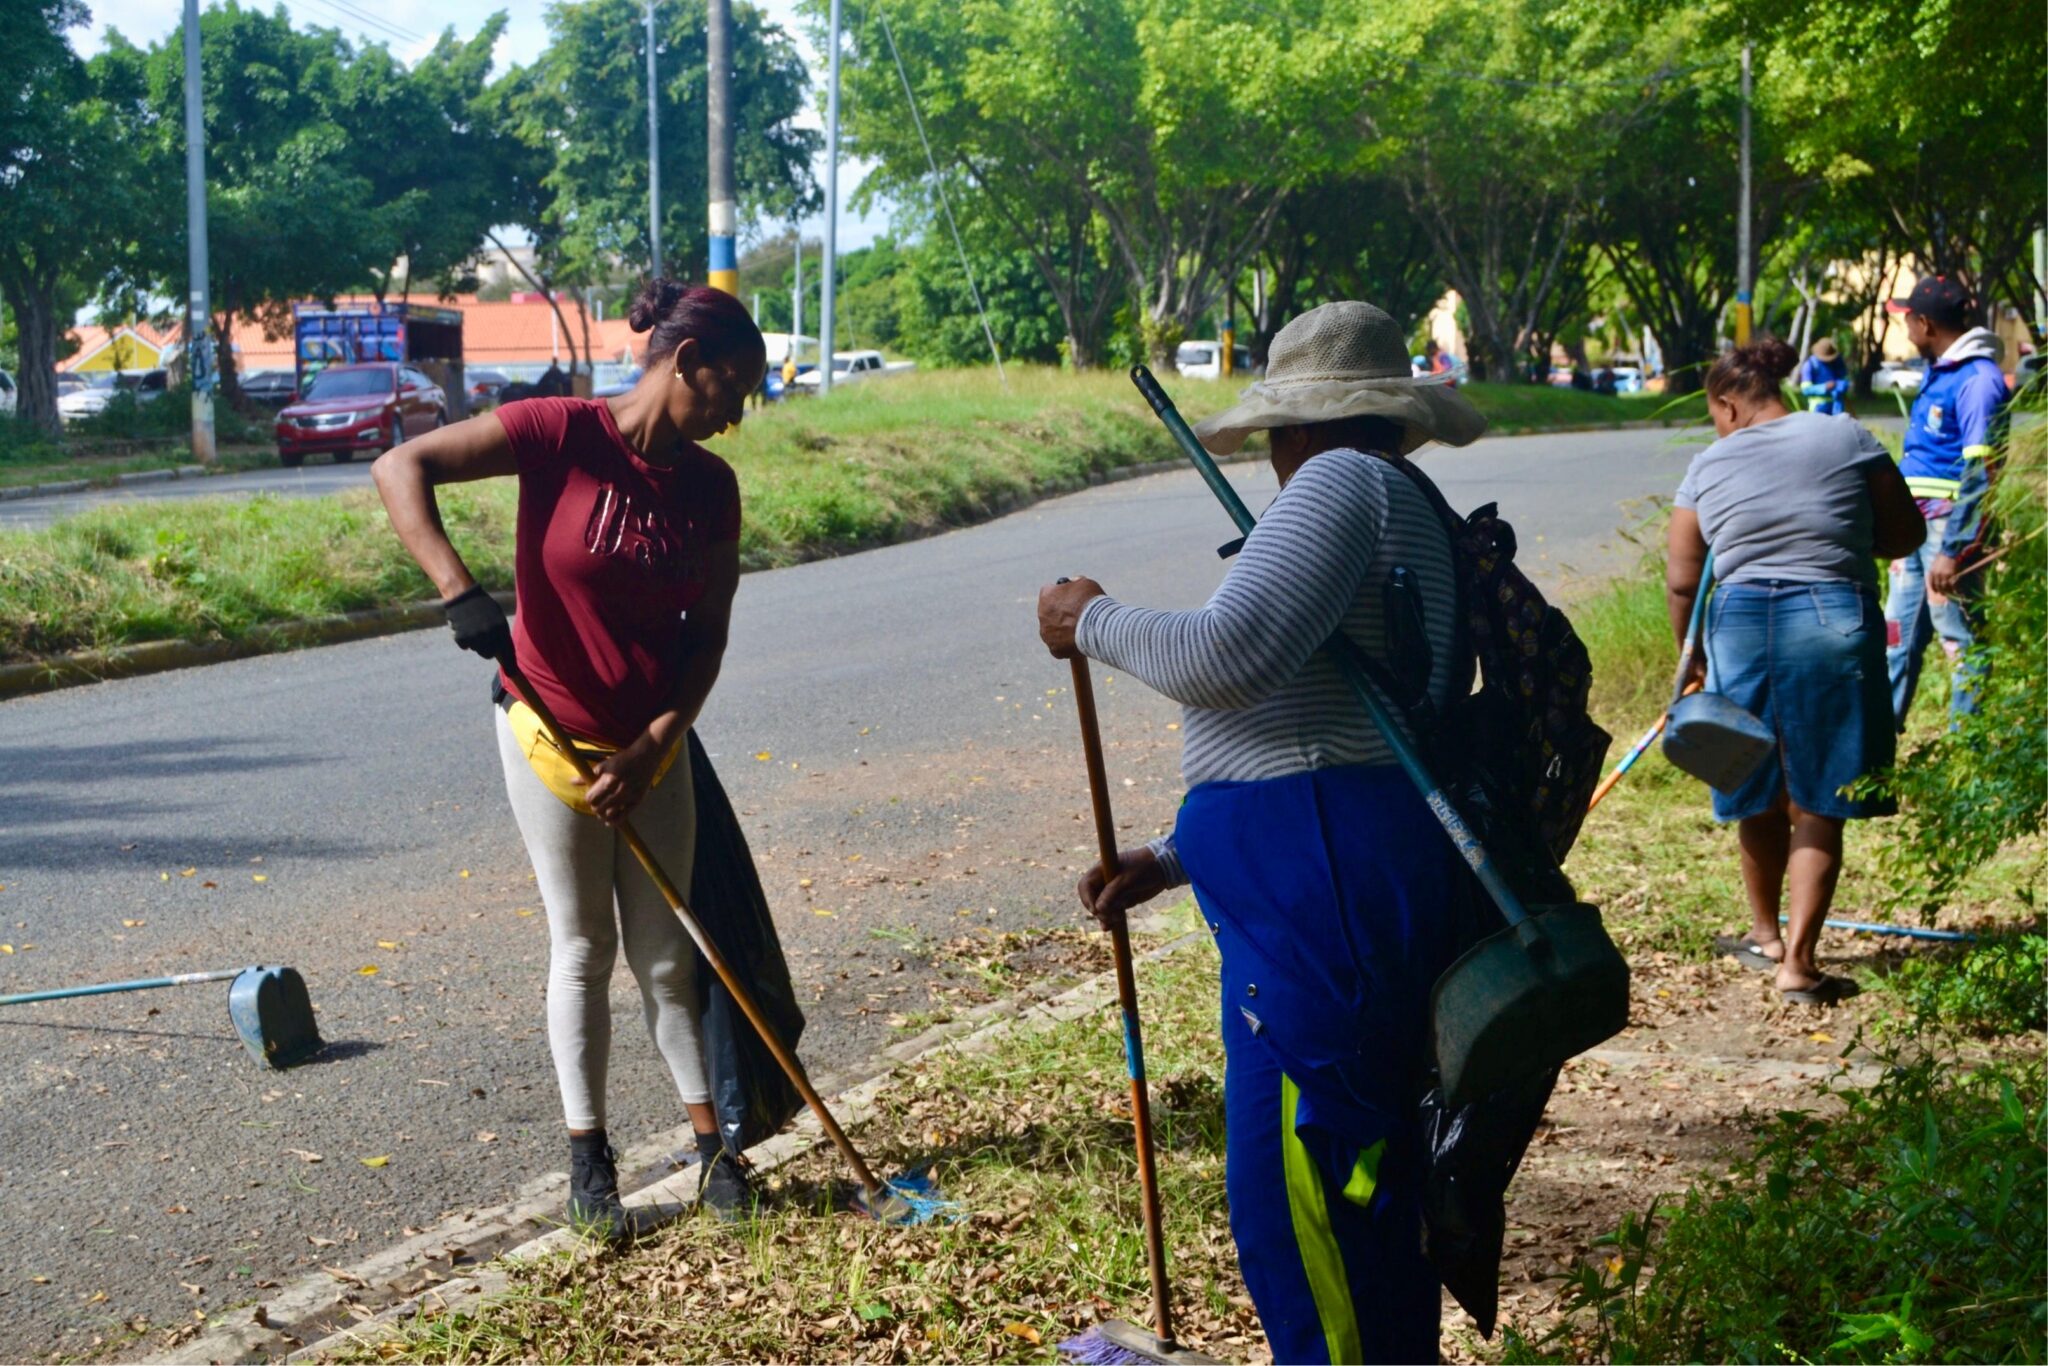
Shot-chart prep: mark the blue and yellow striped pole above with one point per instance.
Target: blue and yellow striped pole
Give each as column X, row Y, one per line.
column 724, row 264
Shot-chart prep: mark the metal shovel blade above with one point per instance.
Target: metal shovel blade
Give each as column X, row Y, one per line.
column 274, row 1016
column 1522, row 1000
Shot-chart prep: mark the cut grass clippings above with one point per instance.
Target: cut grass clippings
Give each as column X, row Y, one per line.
column 1032, row 1136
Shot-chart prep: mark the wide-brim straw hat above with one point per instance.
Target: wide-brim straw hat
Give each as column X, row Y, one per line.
column 1345, row 360
column 1825, row 348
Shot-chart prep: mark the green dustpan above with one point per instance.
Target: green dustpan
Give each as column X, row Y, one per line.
column 1524, row 999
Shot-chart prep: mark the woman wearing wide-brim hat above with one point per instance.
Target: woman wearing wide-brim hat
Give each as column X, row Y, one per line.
column 1322, row 874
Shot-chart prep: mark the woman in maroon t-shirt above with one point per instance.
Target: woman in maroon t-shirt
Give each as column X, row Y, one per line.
column 627, row 558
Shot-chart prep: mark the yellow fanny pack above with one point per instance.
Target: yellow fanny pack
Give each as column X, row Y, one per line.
column 552, row 766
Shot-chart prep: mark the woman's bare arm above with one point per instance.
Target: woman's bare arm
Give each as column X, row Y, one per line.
column 406, row 476
column 1896, row 525
column 1685, row 559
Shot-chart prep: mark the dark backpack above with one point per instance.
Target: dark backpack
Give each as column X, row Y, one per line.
column 1520, row 756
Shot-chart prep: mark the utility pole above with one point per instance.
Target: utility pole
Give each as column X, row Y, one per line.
column 653, row 156
column 199, row 315
column 1745, row 266
column 724, row 270
column 825, row 300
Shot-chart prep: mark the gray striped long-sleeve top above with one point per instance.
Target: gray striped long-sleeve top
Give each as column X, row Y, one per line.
column 1258, row 700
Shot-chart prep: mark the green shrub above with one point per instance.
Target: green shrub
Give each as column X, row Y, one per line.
column 1994, row 989
column 1911, row 1224
column 1967, row 793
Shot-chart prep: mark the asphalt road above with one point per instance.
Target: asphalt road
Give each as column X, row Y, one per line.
column 900, row 747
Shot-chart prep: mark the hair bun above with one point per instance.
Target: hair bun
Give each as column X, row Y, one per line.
column 652, row 304
column 1772, row 357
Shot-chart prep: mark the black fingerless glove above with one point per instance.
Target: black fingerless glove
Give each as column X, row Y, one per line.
column 479, row 623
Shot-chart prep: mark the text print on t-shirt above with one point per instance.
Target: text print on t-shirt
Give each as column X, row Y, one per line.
column 640, row 534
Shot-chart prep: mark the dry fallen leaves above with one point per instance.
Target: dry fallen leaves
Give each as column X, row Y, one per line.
column 304, row 1156
column 381, row 1161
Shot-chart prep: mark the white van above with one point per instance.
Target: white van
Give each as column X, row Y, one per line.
column 1203, row 359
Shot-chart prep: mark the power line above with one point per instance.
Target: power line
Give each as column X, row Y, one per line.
column 347, row 16
column 945, row 201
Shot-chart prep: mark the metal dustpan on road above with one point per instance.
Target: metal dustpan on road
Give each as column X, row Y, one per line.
column 268, row 1007
column 1524, row 999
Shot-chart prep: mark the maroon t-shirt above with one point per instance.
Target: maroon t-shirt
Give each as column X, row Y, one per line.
column 611, row 553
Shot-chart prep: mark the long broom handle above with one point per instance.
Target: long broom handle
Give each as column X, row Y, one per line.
column 1127, row 996
column 1636, row 751
column 788, row 1061
column 183, row 979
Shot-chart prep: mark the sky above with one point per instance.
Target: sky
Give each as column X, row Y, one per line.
column 401, row 24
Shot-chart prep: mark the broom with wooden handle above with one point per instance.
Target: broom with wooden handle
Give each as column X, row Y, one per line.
column 904, row 1200
column 1114, row 1341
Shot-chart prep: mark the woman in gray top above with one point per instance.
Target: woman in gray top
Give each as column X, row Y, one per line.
column 1323, row 876
column 1796, row 507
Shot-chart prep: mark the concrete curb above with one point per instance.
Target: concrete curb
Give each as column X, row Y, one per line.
column 118, row 481
column 330, row 1309
column 129, row 661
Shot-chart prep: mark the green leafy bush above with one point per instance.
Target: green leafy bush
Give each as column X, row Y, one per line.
column 1995, row 989
column 1909, row 1224
column 1967, row 793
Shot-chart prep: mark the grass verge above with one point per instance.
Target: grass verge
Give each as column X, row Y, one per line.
column 880, row 462
column 1907, row 1222
column 1032, row 1136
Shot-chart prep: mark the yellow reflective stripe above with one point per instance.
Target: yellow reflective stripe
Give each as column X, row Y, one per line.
column 1976, row 452
column 1365, row 1175
column 1922, row 486
column 1321, row 1260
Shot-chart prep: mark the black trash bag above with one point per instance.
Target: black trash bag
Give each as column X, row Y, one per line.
column 752, row 1096
column 1469, row 1156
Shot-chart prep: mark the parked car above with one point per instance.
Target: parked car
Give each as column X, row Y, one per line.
column 68, row 383
column 270, row 388
column 1897, row 376
column 848, row 366
column 1204, row 360
column 8, row 397
column 483, row 388
column 101, row 388
column 350, row 408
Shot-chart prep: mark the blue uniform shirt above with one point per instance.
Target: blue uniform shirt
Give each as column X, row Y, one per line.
column 1951, row 434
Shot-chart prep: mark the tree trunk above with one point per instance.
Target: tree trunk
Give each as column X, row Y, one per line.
column 34, row 303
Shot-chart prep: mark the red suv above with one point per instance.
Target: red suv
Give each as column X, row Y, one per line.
column 350, row 408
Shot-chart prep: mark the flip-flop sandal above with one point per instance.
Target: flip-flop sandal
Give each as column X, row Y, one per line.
column 1826, row 992
column 1745, row 951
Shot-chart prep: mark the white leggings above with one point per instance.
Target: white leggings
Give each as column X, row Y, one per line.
column 584, row 869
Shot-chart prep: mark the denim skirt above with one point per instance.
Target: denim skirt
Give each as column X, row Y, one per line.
column 1808, row 660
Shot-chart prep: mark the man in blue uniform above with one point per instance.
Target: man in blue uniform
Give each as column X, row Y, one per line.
column 1950, row 437
column 1823, row 378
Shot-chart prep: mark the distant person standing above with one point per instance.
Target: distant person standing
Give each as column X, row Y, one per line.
column 1824, row 378
column 1795, row 507
column 1950, row 437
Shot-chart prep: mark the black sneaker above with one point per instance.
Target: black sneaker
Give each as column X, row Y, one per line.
column 726, row 1186
column 594, row 1205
